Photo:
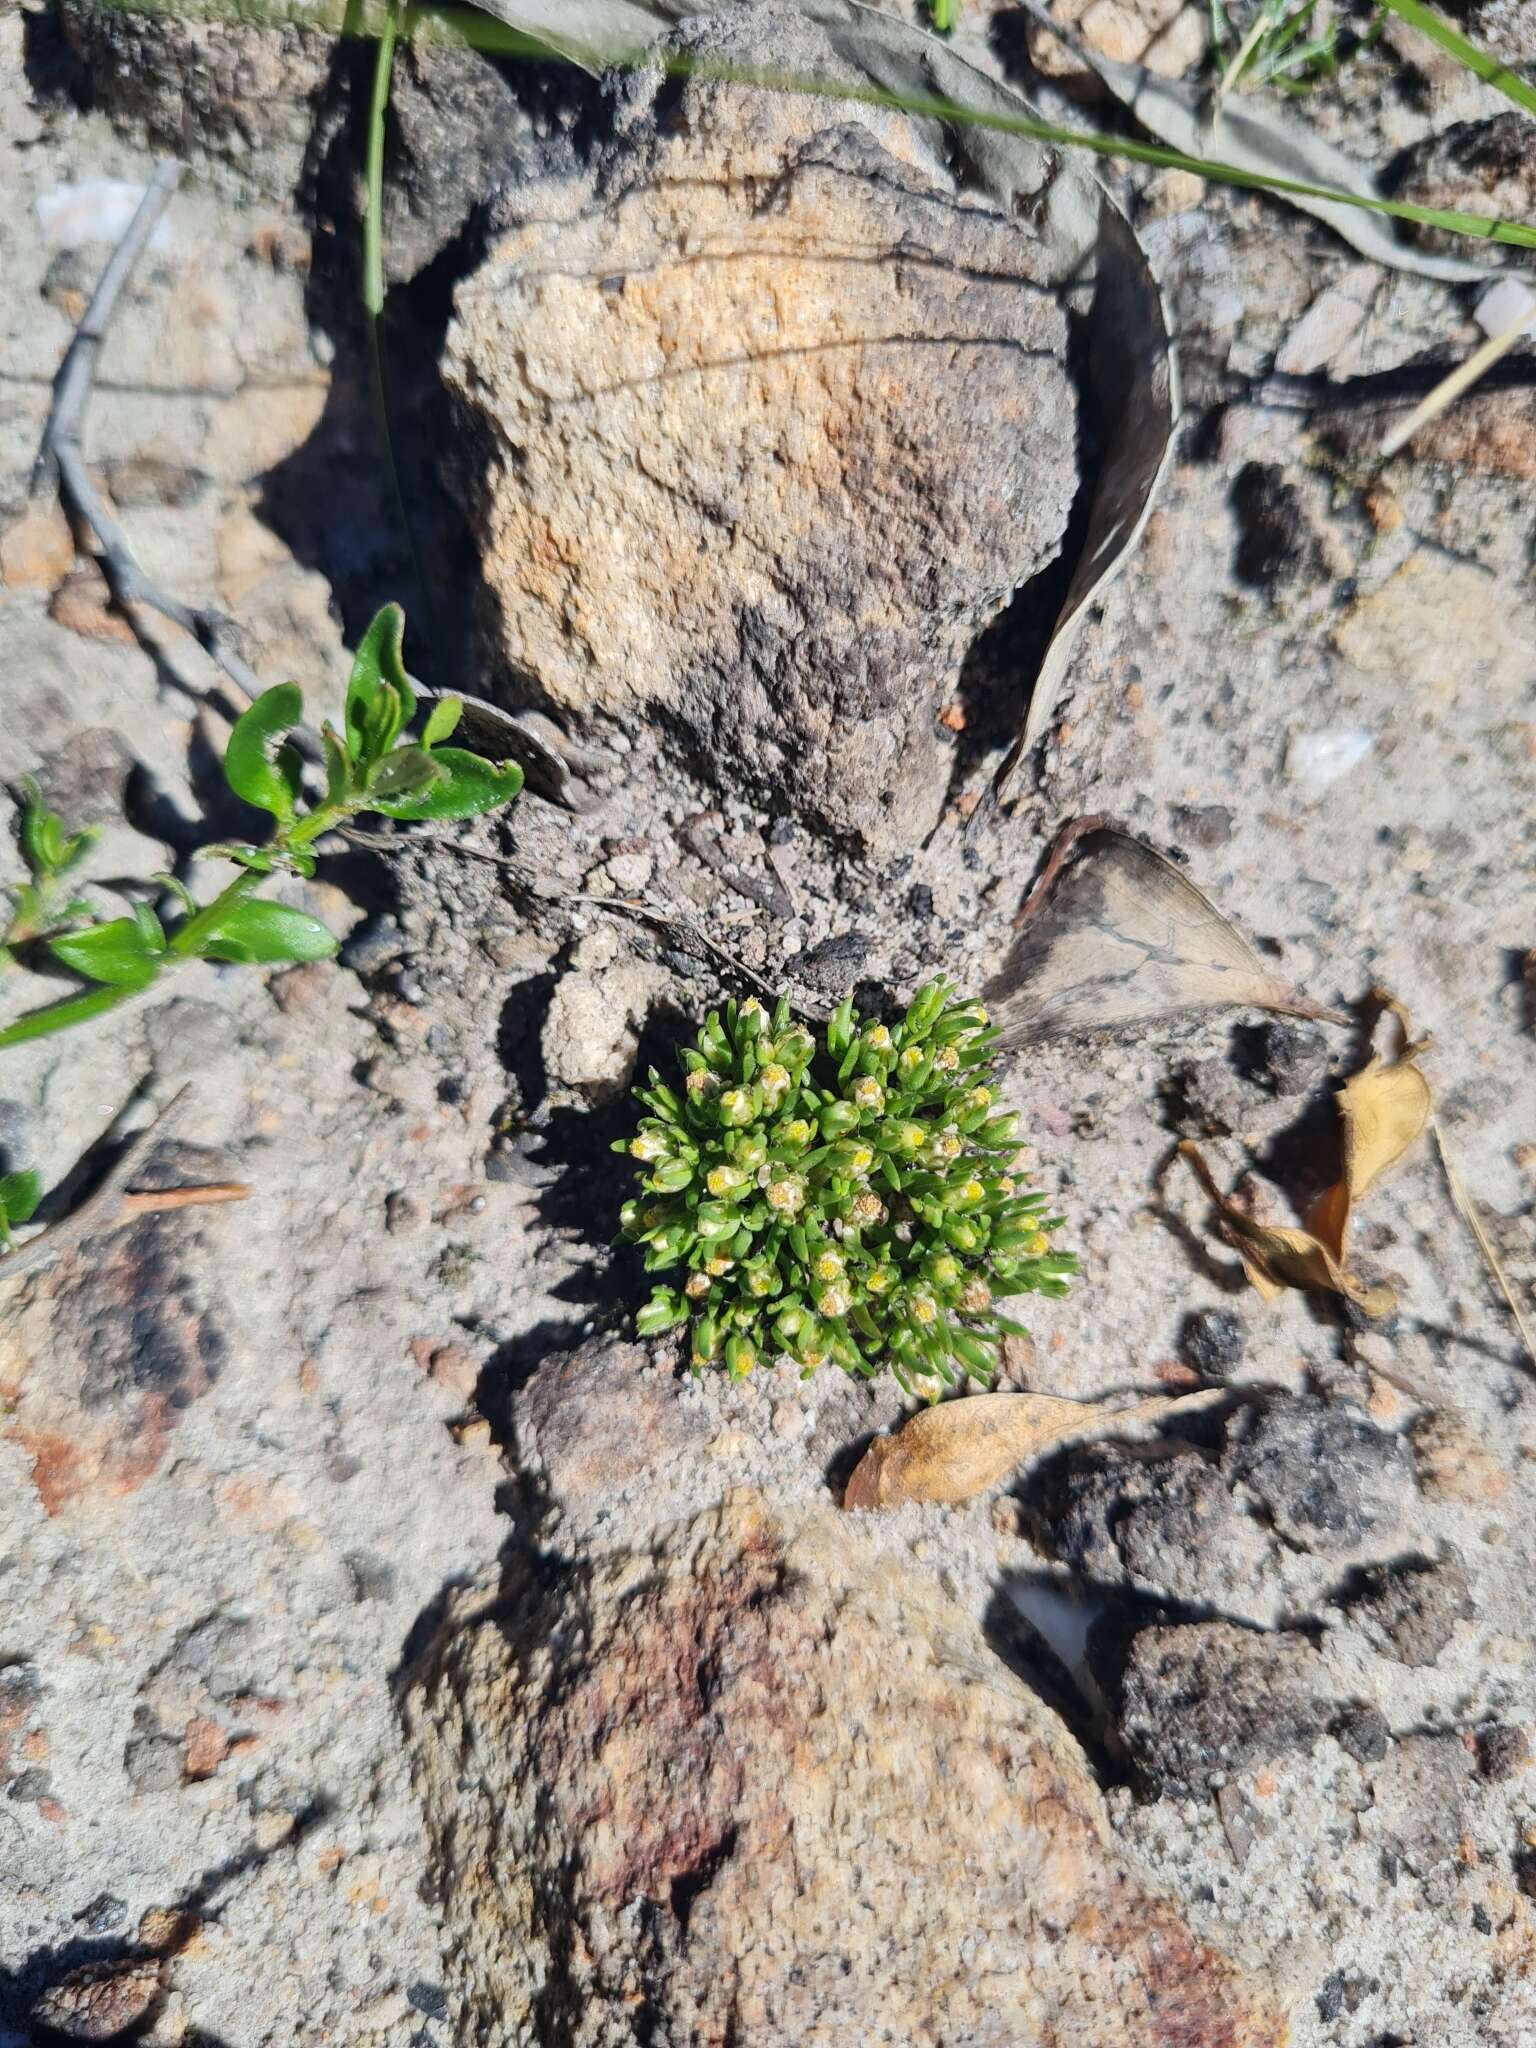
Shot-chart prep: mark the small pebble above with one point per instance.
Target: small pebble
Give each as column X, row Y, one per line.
column 1211, row 1341
column 1318, row 759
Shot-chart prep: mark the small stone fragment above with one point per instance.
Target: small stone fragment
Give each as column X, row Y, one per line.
column 1293, row 1058
column 99, row 2001
column 404, row 1212
column 1212, row 1340
column 1362, row 1732
column 1215, row 1101
column 205, row 1744
column 1453, row 1464
column 1317, row 760
column 1326, row 1476
column 1419, row 1795
column 1169, row 1523
column 83, row 604
column 1409, row 1611
column 1207, row 825
column 1200, row 1700
column 592, row 1028
column 1502, row 1750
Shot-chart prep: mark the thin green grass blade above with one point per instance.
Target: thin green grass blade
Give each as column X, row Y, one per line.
column 482, row 32
column 1486, row 67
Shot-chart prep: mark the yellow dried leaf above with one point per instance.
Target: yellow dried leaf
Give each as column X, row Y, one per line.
column 953, row 1452
column 1382, row 1109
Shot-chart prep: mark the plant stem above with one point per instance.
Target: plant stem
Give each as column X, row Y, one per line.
column 77, row 1010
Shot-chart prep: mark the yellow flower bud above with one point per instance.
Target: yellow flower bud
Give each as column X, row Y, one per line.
column 924, row 1308
column 868, row 1093
column 828, row 1266
column 647, row 1145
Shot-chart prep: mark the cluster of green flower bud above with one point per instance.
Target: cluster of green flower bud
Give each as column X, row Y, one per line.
column 853, row 1201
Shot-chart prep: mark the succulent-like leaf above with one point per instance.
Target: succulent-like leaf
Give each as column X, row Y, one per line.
column 253, row 931
column 250, row 768
column 118, row 953
column 468, row 786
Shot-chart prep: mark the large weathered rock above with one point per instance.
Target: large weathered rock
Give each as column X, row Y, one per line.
column 763, row 423
column 756, row 1784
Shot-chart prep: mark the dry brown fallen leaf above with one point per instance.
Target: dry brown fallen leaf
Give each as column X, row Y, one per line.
column 1382, row 1109
column 950, row 1453
column 1114, row 934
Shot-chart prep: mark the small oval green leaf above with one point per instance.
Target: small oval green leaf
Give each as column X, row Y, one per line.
column 249, row 765
column 116, row 953
column 255, row 932
column 469, row 786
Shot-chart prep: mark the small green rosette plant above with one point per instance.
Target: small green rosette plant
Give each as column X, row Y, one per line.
column 855, row 1199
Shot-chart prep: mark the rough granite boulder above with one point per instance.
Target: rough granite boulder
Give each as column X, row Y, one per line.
column 756, row 1783
column 763, row 423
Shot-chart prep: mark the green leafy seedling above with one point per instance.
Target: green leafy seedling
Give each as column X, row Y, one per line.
column 854, row 1199
column 370, row 764
column 20, row 1194
column 42, row 904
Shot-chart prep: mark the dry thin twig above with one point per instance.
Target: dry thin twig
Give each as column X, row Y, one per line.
column 109, row 1205
column 1460, row 380
column 151, row 1201
column 61, row 453
column 1473, row 1221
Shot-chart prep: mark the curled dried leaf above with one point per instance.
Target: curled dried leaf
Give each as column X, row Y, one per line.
column 953, row 1452
column 1114, row 934
column 1276, row 1257
column 1382, row 1109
